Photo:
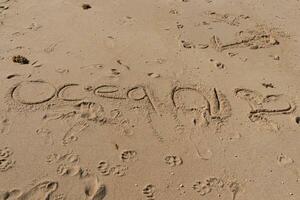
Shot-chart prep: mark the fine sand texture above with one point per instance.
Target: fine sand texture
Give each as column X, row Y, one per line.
column 149, row 100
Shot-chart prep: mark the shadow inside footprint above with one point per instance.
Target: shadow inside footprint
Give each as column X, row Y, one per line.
column 297, row 119
column 95, row 190
column 11, row 195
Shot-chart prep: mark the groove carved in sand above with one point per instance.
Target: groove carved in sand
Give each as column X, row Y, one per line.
column 33, row 92
column 262, row 107
column 209, row 105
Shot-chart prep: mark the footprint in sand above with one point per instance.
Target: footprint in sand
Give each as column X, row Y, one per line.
column 5, row 124
column 129, row 155
column 41, row 191
column 67, row 164
column 94, row 190
column 217, row 64
column 103, row 168
column 59, row 197
column 117, row 170
column 47, row 134
column 68, row 169
column 149, row 191
column 214, row 184
column 10, row 195
column 173, row 161
column 6, row 162
column 5, row 152
column 201, row 188
column 284, row 160
column 73, row 133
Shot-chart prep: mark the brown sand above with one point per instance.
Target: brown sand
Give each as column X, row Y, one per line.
column 144, row 100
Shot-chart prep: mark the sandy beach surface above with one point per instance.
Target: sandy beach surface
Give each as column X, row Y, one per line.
column 149, row 100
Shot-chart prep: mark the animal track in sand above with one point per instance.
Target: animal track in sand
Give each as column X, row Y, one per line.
column 149, row 191
column 6, row 162
column 129, row 155
column 68, row 169
column 117, row 170
column 284, row 160
column 212, row 184
column 46, row 133
column 201, row 188
column 69, row 157
column 5, row 124
column 32, row 92
column 173, row 161
column 90, row 111
column 262, row 107
column 67, row 164
column 5, row 152
column 59, row 197
column 233, row 20
column 103, row 168
column 217, row 64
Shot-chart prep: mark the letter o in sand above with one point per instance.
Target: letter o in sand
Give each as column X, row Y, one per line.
column 33, row 92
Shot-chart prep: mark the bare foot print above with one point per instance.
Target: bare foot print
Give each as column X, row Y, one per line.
column 42, row 191
column 10, row 195
column 5, row 124
column 94, row 190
